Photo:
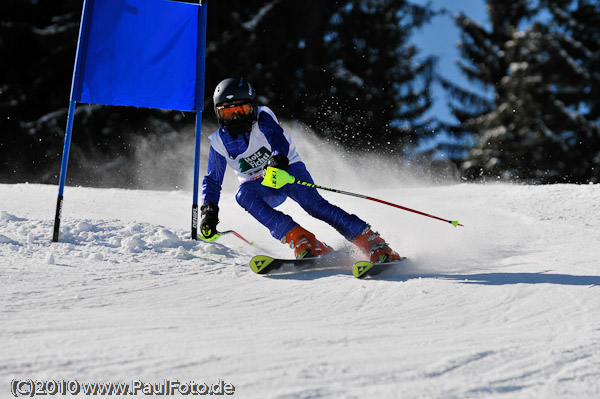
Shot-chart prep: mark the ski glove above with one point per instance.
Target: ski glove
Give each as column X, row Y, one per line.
column 279, row 161
column 210, row 219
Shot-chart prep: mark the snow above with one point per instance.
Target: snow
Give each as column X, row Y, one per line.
column 505, row 307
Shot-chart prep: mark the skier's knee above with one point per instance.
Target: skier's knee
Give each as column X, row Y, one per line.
column 240, row 197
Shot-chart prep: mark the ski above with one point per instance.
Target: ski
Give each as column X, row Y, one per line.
column 365, row 268
column 263, row 264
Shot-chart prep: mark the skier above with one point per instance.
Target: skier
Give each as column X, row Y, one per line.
column 250, row 139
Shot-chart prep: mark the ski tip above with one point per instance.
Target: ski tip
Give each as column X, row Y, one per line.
column 259, row 263
column 455, row 223
column 361, row 268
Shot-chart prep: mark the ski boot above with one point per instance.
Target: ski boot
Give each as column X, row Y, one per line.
column 304, row 243
column 375, row 247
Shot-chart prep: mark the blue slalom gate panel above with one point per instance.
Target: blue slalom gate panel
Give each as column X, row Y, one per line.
column 139, row 53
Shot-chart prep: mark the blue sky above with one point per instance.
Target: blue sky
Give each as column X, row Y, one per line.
column 439, row 38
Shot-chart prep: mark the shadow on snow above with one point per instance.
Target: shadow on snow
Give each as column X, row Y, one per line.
column 402, row 274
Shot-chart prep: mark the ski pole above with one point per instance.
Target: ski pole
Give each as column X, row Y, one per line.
column 242, row 238
column 220, row 233
column 276, row 179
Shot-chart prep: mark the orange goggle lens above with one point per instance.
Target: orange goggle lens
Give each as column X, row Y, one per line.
column 227, row 112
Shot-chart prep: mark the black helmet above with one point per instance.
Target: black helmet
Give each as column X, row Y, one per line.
column 235, row 105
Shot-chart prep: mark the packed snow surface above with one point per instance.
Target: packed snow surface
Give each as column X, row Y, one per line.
column 507, row 306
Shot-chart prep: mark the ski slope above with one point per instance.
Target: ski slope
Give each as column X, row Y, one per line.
column 506, row 307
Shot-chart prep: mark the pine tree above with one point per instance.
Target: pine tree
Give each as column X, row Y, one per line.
column 575, row 42
column 38, row 40
column 540, row 126
column 378, row 89
column 346, row 69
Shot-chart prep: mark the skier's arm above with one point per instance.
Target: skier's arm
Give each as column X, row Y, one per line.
column 274, row 134
column 211, row 185
column 211, row 193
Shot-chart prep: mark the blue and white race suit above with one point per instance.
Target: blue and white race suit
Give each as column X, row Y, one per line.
column 247, row 155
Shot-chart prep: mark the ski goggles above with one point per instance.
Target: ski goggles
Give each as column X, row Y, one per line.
column 228, row 111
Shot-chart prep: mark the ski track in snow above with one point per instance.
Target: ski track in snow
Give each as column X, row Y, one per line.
column 505, row 307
